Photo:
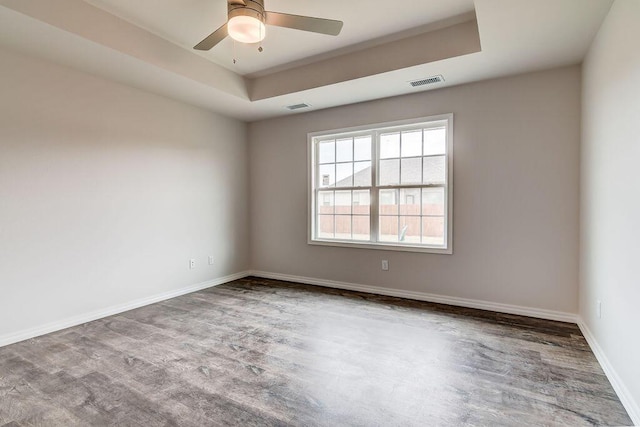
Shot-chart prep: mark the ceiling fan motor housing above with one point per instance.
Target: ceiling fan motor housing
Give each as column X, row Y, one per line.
column 252, row 8
column 246, row 21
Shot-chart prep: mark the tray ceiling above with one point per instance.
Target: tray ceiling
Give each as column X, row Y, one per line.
column 148, row 44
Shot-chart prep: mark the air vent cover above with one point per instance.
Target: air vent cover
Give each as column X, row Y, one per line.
column 428, row 81
column 297, row 106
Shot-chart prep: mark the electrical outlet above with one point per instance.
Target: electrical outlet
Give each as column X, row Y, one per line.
column 210, row 259
column 599, row 309
column 385, row 265
column 192, row 263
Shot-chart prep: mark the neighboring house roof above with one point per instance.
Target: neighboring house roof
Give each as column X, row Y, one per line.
column 436, row 169
column 362, row 177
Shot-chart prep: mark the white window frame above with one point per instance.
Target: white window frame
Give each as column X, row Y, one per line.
column 379, row 128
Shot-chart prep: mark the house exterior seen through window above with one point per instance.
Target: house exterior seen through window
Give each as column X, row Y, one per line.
column 385, row 186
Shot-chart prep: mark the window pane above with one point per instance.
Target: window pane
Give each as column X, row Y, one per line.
column 343, row 202
column 344, row 175
column 362, row 174
column 325, row 226
column 390, row 145
column 411, row 170
column 388, row 229
column 344, row 148
column 327, row 152
column 362, row 148
column 361, row 228
column 433, row 230
column 435, row 141
column 433, row 201
column 327, row 175
column 434, row 170
column 388, row 203
column 389, row 172
column 409, row 229
column 343, row 227
column 325, row 202
column 361, row 202
column 410, row 201
column 402, row 169
column 412, row 143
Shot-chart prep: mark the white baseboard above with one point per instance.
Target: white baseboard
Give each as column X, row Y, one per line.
column 110, row 311
column 422, row 296
column 632, row 407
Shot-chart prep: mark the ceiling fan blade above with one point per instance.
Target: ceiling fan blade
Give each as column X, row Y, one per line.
column 213, row 39
column 237, row 2
column 304, row 23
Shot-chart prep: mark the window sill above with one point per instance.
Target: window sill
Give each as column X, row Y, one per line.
column 382, row 246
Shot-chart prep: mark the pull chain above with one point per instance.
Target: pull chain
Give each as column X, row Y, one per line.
column 234, row 51
column 261, row 37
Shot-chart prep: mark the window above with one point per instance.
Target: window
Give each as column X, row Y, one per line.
column 386, row 186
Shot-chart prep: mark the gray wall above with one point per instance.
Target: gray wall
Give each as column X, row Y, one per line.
column 106, row 192
column 610, row 195
column 516, row 174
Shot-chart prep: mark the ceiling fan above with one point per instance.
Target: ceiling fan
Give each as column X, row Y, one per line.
column 246, row 20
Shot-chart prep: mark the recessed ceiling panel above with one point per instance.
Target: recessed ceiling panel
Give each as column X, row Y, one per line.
column 186, row 22
column 149, row 44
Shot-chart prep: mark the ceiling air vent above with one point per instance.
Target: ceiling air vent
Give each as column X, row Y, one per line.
column 427, row 81
column 297, row 106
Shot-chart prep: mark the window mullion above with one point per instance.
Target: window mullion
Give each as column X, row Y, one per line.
column 399, row 172
column 316, row 213
column 352, row 215
column 422, row 182
column 374, row 197
column 316, row 188
column 420, row 216
column 391, row 187
column 398, row 228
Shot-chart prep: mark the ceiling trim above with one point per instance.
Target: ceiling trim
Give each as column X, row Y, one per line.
column 515, row 36
column 411, row 32
column 449, row 42
column 94, row 24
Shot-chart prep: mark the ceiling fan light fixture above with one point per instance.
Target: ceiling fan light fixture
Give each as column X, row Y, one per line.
column 246, row 29
column 246, row 20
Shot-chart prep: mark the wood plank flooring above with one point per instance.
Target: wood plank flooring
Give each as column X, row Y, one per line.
column 259, row 352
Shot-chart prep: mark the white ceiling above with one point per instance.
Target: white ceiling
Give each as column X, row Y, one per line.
column 148, row 44
column 186, row 22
